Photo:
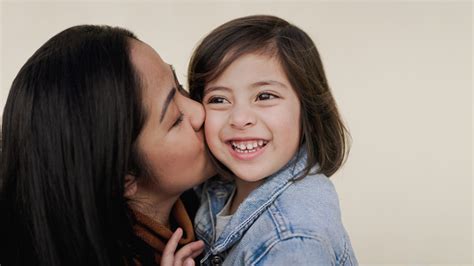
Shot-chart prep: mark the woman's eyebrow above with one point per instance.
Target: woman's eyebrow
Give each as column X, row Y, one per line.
column 167, row 103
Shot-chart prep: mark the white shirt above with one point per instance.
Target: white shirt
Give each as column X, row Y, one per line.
column 223, row 217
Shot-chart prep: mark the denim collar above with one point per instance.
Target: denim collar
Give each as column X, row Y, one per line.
column 255, row 204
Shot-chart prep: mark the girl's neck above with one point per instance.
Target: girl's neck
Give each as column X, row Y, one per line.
column 243, row 189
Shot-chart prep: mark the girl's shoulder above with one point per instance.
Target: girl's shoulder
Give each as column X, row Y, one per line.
column 311, row 202
column 308, row 210
column 305, row 218
column 313, row 188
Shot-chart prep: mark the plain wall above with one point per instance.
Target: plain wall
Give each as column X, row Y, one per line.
column 401, row 73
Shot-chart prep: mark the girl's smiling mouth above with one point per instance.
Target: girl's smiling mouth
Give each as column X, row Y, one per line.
column 246, row 149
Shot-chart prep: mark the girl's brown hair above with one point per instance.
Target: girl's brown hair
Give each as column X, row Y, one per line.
column 323, row 132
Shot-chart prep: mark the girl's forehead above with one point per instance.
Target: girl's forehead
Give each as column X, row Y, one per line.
column 249, row 73
column 237, row 53
column 251, row 65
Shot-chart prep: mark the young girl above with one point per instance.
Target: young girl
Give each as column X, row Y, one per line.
column 272, row 126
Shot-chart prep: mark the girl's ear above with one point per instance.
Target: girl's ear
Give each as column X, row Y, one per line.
column 130, row 187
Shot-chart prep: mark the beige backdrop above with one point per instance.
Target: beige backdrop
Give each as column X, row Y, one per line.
column 401, row 73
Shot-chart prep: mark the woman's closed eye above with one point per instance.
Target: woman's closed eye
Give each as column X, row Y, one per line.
column 178, row 120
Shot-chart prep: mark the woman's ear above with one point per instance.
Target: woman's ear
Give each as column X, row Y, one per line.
column 130, row 188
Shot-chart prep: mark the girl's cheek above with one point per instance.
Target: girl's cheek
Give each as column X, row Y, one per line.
column 211, row 125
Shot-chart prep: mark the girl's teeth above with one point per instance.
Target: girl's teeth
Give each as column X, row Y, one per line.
column 248, row 146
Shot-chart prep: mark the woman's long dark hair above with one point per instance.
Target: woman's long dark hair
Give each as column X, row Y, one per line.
column 69, row 125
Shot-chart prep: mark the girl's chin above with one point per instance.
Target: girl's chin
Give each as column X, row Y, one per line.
column 246, row 178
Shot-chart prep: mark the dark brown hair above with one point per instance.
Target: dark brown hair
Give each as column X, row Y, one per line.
column 323, row 132
column 69, row 130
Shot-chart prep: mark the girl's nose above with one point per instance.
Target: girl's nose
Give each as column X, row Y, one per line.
column 195, row 112
column 242, row 117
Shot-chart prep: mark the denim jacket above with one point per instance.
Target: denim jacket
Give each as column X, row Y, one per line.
column 282, row 222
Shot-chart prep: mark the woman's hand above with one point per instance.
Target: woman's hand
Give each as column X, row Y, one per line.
column 183, row 257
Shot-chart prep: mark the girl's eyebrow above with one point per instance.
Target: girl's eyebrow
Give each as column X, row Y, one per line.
column 268, row 82
column 215, row 88
column 253, row 85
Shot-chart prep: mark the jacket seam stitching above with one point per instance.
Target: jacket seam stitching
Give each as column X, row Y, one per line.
column 317, row 238
column 275, row 219
column 345, row 255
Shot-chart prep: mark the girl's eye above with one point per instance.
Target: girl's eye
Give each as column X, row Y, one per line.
column 178, row 121
column 266, row 96
column 217, row 100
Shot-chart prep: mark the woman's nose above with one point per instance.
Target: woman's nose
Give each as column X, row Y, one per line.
column 195, row 111
column 242, row 117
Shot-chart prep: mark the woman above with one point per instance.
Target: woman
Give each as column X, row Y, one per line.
column 98, row 143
